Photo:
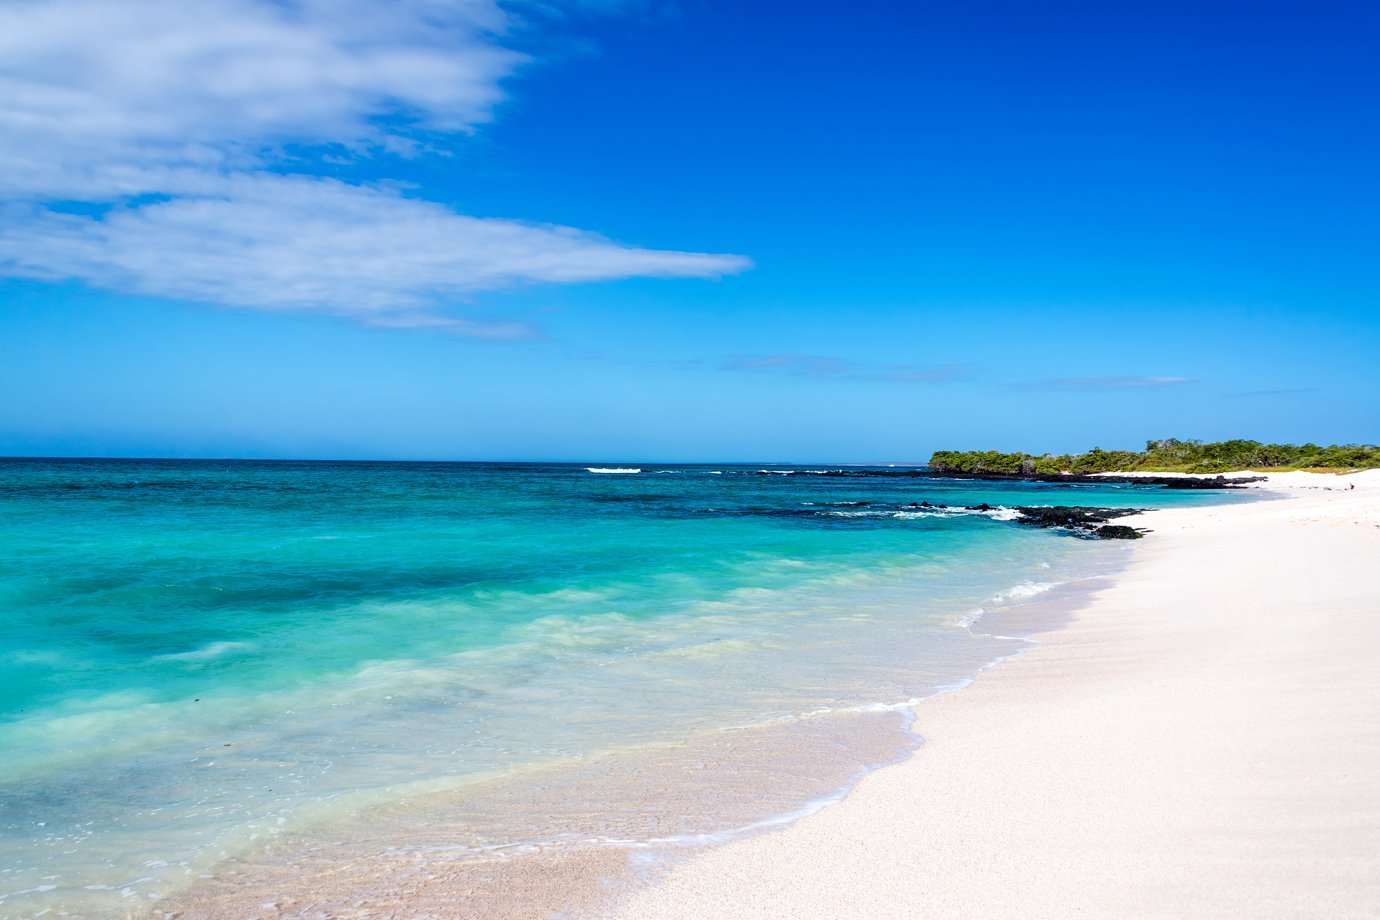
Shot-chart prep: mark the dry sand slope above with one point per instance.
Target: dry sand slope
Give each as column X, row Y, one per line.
column 1202, row 741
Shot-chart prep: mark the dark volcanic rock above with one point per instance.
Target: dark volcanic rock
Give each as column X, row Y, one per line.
column 1073, row 517
column 1117, row 532
column 1166, row 482
column 1084, row 522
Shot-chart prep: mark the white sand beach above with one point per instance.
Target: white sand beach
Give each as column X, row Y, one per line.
column 1203, row 740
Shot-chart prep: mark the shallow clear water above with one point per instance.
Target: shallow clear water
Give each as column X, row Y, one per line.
column 199, row 655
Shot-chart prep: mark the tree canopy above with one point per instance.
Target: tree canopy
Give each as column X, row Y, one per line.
column 1167, row 455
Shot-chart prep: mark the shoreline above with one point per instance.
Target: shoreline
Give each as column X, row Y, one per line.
column 703, row 791
column 1199, row 741
column 603, row 876
column 419, row 859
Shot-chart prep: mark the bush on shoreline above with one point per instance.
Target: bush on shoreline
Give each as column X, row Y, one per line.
column 1170, row 455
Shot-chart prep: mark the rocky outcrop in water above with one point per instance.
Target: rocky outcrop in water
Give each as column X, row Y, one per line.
column 1079, row 520
column 1119, row 532
column 1085, row 522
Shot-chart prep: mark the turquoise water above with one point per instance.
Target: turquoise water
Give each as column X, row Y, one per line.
column 198, row 655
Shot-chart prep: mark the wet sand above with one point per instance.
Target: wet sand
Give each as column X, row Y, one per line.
column 575, row 832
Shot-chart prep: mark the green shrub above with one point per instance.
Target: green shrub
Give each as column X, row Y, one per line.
column 1169, row 454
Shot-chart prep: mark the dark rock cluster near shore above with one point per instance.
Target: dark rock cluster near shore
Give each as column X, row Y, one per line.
column 1078, row 520
column 1091, row 522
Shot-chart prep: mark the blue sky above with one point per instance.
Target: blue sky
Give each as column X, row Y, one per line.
column 705, row 230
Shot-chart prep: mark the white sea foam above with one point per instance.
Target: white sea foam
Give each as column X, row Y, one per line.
column 208, row 652
column 1014, row 594
column 969, row 618
column 999, row 513
column 1021, row 591
column 613, row 469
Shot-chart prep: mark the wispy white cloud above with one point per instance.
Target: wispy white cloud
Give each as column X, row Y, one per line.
column 805, row 365
column 100, row 98
column 1115, row 382
column 1286, row 391
column 471, row 327
column 296, row 243
column 926, row 373
column 160, row 126
column 800, row 365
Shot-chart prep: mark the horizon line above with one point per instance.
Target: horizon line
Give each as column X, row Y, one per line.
column 9, row 457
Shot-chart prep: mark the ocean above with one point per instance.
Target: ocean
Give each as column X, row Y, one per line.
column 203, row 659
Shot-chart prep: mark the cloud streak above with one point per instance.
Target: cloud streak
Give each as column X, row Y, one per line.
column 296, row 243
column 143, row 150
column 795, row 365
column 1116, row 382
column 1286, row 391
column 826, row 366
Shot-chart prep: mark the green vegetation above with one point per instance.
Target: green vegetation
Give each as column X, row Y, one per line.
column 1169, row 455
